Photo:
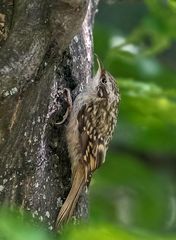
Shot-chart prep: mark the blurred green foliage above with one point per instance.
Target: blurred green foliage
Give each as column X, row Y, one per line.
column 133, row 191
column 136, row 186
column 133, row 195
column 14, row 227
column 109, row 232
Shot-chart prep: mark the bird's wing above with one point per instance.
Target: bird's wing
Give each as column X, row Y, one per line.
column 93, row 149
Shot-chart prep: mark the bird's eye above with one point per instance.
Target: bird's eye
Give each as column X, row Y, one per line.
column 103, row 80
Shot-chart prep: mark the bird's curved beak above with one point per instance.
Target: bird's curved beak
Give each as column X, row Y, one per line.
column 100, row 70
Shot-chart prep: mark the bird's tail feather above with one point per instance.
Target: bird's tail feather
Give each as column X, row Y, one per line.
column 68, row 207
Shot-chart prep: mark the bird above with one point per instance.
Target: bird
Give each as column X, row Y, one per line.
column 91, row 123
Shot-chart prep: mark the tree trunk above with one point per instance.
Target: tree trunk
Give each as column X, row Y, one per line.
column 39, row 57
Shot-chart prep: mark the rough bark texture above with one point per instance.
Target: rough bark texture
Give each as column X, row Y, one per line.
column 36, row 64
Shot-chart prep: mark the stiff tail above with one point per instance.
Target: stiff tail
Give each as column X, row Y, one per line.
column 68, row 207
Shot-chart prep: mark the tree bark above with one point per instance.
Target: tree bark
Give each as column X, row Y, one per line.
column 40, row 55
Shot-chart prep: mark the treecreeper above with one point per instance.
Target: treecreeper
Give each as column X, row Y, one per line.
column 90, row 127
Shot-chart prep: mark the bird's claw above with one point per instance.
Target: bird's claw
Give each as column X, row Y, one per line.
column 67, row 95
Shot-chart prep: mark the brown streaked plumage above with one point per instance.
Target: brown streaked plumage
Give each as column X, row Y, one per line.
column 91, row 124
